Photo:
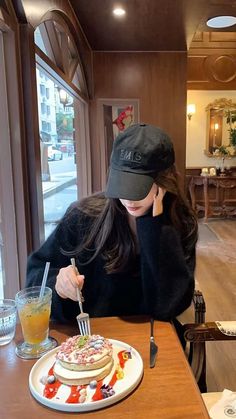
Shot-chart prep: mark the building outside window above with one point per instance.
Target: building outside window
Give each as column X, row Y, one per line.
column 42, row 89
column 58, row 157
column 43, row 107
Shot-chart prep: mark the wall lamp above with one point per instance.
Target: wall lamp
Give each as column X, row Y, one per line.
column 63, row 96
column 191, row 109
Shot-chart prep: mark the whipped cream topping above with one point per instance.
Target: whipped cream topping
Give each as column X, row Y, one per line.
column 83, row 350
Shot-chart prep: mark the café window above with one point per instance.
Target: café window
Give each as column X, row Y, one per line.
column 49, row 37
column 62, row 116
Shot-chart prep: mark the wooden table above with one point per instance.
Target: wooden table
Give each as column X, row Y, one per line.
column 165, row 392
column 215, row 195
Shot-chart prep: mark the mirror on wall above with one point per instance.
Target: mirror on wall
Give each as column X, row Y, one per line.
column 221, row 128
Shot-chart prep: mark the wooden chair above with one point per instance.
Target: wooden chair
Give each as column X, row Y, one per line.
column 196, row 335
column 196, row 350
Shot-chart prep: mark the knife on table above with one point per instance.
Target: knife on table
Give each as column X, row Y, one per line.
column 153, row 346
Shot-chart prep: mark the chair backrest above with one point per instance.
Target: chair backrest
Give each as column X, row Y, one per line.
column 198, row 333
column 196, row 350
column 199, row 306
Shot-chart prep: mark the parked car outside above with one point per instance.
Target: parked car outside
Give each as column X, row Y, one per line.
column 66, row 148
column 54, row 153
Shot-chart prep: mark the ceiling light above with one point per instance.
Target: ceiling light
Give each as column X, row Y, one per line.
column 119, row 11
column 221, row 21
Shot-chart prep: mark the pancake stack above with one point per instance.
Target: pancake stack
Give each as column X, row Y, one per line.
column 82, row 359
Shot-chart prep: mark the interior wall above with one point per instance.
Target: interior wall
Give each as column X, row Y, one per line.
column 158, row 80
column 197, row 127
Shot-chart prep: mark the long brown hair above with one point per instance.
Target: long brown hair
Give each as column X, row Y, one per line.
column 110, row 234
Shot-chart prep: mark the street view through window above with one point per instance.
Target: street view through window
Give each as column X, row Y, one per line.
column 58, row 149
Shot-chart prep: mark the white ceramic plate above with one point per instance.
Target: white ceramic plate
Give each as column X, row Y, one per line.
column 132, row 373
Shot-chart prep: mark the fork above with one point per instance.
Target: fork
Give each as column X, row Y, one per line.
column 82, row 318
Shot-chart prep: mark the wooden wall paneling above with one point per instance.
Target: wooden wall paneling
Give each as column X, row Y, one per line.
column 212, row 61
column 158, row 80
column 95, row 146
column 213, row 40
column 83, row 152
column 226, row 38
column 196, row 69
column 193, row 171
column 221, row 68
column 212, row 72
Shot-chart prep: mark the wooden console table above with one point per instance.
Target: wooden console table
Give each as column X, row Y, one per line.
column 214, row 195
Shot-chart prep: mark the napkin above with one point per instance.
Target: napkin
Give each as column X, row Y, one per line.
column 225, row 408
column 227, row 328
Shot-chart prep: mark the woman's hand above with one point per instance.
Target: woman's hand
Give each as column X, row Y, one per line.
column 158, row 202
column 67, row 282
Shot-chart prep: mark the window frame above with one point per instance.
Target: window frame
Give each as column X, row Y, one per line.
column 82, row 138
column 13, row 206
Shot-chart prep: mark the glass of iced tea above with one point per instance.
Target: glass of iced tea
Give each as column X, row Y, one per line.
column 34, row 313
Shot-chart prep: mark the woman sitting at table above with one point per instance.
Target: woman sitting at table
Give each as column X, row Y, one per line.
column 134, row 245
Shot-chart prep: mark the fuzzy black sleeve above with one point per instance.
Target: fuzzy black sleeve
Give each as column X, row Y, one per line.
column 167, row 277
column 66, row 236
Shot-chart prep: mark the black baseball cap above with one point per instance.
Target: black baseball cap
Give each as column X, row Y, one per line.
column 139, row 153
